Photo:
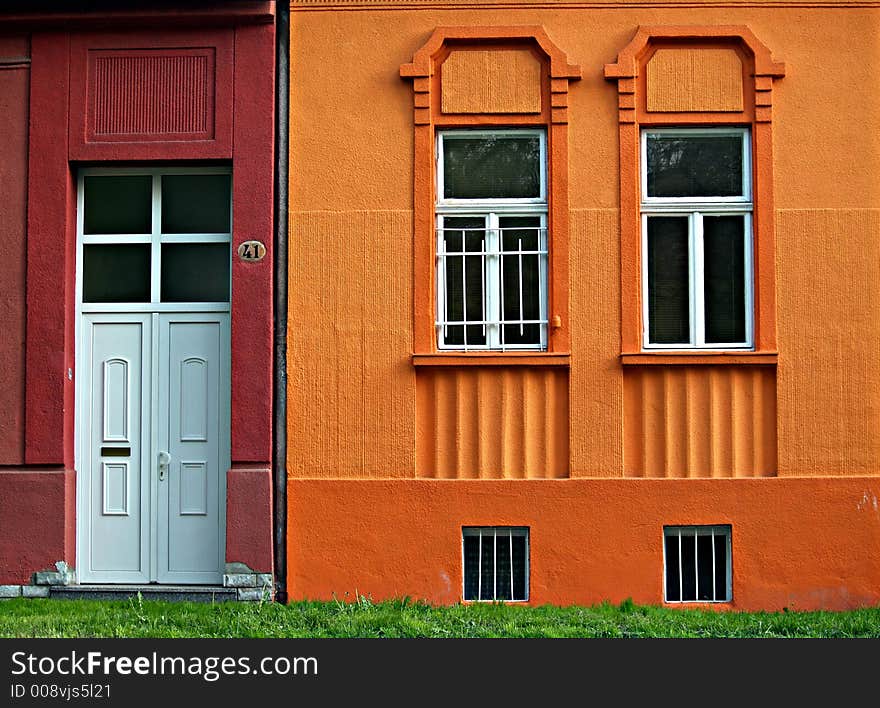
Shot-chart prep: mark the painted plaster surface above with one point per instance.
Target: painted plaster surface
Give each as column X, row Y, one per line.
column 360, row 409
column 14, row 84
column 590, row 540
column 694, row 80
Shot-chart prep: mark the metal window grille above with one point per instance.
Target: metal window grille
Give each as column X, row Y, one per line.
column 697, row 562
column 492, row 282
column 496, row 563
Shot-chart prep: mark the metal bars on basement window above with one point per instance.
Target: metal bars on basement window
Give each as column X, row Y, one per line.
column 697, row 562
column 495, row 561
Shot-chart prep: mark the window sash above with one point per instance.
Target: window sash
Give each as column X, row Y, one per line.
column 685, row 540
column 695, row 209
column 743, row 133
column 155, row 239
column 696, row 281
column 488, row 552
column 493, row 259
column 490, row 202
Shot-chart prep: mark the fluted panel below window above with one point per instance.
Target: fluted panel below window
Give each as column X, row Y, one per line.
column 700, row 421
column 492, row 422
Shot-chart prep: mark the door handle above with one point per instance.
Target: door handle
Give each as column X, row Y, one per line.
column 164, row 461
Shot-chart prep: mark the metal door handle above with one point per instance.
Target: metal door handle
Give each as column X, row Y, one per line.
column 164, row 461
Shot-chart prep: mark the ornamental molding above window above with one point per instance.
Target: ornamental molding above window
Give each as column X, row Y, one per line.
column 490, row 71
column 685, row 77
column 697, row 68
column 489, row 80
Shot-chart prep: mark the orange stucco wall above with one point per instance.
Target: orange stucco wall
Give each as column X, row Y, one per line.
column 796, row 543
column 360, row 412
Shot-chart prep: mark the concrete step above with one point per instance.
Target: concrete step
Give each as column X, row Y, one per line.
column 166, row 593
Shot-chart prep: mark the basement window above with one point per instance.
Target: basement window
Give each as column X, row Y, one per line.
column 697, row 564
column 496, row 563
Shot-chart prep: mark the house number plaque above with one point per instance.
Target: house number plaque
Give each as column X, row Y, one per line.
column 251, row 251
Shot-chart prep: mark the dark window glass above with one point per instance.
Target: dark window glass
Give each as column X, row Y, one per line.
column 668, row 299
column 493, row 166
column 119, row 204
column 520, row 562
column 464, row 279
column 195, row 272
column 688, row 562
column 724, row 274
column 721, row 568
column 673, row 589
column 495, row 560
column 695, row 166
column 193, row 204
column 487, row 556
column 695, row 564
column 704, row 569
column 471, row 566
column 116, row 273
column 520, row 279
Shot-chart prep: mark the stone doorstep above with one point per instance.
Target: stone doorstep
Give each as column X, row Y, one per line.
column 166, row 593
column 240, row 583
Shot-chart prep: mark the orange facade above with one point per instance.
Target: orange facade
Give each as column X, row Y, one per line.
column 595, row 441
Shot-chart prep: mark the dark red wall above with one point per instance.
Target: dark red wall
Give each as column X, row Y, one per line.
column 52, row 120
column 14, row 87
column 36, row 529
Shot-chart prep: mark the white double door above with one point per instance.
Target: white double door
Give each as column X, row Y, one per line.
column 154, row 447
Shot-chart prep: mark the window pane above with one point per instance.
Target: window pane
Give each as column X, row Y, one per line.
column 502, row 565
column 471, row 566
column 668, row 298
column 118, row 204
column 492, row 166
column 195, row 272
column 464, row 279
column 520, row 562
column 704, row 568
column 520, row 279
column 488, row 556
column 721, row 567
column 116, row 273
column 196, row 204
column 724, row 273
column 688, row 569
column 673, row 592
column 695, row 166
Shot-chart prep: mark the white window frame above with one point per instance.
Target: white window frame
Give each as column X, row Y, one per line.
column 718, row 530
column 695, row 209
column 491, row 533
column 156, row 238
column 491, row 211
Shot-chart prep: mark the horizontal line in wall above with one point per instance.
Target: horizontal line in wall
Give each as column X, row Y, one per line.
column 700, row 358
column 324, row 5
column 492, row 359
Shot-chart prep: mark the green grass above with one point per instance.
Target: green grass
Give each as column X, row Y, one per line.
column 404, row 618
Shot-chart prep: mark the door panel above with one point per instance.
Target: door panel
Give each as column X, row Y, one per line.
column 193, row 367
column 116, row 363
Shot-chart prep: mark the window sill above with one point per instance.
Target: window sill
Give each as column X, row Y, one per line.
column 696, row 358
column 492, row 359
